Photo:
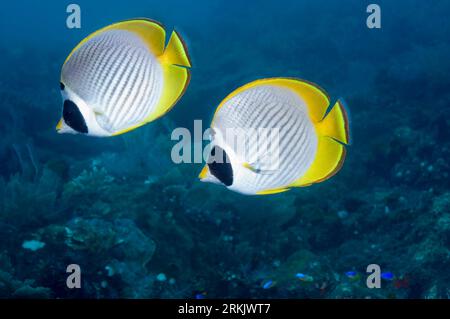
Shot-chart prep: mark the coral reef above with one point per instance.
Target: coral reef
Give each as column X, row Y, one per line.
column 141, row 226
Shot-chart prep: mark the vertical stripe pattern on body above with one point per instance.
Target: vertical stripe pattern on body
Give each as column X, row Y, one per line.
column 269, row 107
column 117, row 75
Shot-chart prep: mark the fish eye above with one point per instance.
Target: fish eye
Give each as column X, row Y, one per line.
column 221, row 167
column 73, row 117
column 61, row 86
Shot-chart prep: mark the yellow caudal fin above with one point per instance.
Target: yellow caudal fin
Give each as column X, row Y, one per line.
column 333, row 133
column 335, row 124
column 151, row 32
column 175, row 62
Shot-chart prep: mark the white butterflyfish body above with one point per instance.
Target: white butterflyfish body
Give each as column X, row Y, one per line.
column 122, row 77
column 303, row 142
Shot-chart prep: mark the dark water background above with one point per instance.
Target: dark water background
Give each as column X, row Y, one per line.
column 125, row 213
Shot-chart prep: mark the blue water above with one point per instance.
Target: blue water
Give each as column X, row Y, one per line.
column 141, row 226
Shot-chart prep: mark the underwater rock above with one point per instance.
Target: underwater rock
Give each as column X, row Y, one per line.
column 112, row 254
column 136, row 282
column 12, row 287
column 299, row 273
column 60, row 167
column 355, row 291
column 7, row 284
column 28, row 292
column 93, row 235
column 121, row 238
column 36, row 200
column 106, row 203
column 131, row 243
column 441, row 204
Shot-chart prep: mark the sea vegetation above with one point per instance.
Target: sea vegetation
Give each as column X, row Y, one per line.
column 141, row 226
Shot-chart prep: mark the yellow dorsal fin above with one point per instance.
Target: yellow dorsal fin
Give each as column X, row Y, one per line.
column 152, row 32
column 312, row 94
column 316, row 99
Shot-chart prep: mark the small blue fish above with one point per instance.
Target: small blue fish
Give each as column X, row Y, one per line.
column 268, row 284
column 353, row 275
column 387, row 275
column 304, row 277
column 200, row 296
column 300, row 275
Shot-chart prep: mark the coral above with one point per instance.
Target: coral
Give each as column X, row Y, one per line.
column 35, row 200
column 122, row 210
column 26, row 292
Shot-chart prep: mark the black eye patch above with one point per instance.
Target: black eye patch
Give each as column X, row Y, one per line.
column 73, row 117
column 220, row 167
column 61, row 86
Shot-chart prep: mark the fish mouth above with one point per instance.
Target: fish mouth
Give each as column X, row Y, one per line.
column 203, row 173
column 59, row 126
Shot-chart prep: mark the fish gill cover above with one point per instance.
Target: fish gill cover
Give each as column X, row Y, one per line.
column 140, row 226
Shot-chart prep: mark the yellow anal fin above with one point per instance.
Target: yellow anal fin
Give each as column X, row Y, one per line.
column 176, row 52
column 335, row 124
column 328, row 161
column 151, row 32
column 272, row 191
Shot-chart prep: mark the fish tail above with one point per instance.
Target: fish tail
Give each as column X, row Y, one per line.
column 176, row 51
column 333, row 135
column 175, row 64
column 335, row 124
